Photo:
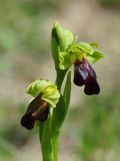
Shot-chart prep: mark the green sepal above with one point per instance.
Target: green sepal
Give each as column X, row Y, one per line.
column 65, row 60
column 97, row 55
column 94, row 44
column 58, row 36
column 47, row 89
column 60, row 41
column 75, row 51
column 79, row 51
column 85, row 47
column 36, row 87
column 69, row 38
column 55, row 50
column 64, row 38
column 52, row 99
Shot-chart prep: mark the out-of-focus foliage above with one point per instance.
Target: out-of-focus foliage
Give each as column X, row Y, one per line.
column 21, row 24
column 12, row 134
column 99, row 128
column 110, row 3
column 7, row 151
column 22, row 29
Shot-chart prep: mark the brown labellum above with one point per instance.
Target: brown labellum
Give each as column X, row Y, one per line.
column 84, row 74
column 38, row 109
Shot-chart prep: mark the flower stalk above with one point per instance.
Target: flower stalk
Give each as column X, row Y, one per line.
column 49, row 106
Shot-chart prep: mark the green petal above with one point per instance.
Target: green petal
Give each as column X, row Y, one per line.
column 97, row 55
column 60, row 41
column 52, row 98
column 36, row 87
column 65, row 60
column 94, row 44
column 69, row 38
column 47, row 89
column 58, row 36
column 85, row 47
column 64, row 38
column 55, row 50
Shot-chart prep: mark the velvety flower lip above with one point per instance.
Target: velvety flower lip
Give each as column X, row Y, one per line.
column 91, row 86
column 84, row 74
column 80, row 73
column 38, row 109
column 28, row 121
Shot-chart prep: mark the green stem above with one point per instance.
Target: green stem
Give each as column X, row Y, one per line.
column 60, row 77
column 45, row 140
column 55, row 146
column 55, row 136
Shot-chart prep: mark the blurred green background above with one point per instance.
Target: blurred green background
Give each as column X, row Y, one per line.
column 92, row 128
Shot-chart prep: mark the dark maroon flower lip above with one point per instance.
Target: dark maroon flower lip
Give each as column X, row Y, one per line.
column 91, row 87
column 28, row 121
column 85, row 75
column 38, row 109
column 80, row 73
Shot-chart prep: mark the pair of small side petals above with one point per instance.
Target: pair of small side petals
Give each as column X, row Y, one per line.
column 37, row 110
column 84, row 74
